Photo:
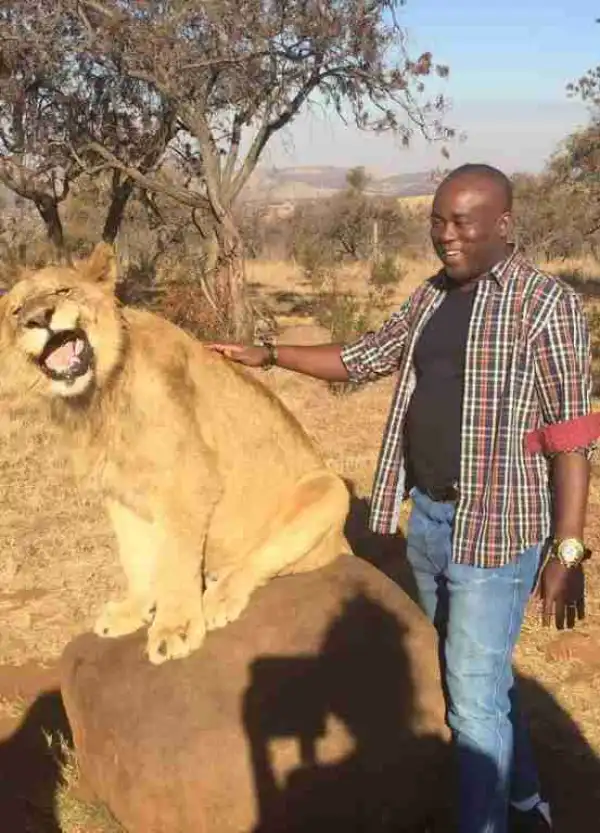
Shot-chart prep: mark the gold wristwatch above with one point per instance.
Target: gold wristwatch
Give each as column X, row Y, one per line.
column 569, row 551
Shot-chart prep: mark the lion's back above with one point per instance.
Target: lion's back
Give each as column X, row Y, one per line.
column 241, row 419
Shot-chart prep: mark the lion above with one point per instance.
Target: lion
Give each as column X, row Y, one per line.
column 211, row 485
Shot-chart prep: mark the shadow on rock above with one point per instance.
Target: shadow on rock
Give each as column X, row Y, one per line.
column 361, row 685
column 386, row 552
column 318, row 710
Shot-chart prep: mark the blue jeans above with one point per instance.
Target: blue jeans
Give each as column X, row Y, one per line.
column 478, row 614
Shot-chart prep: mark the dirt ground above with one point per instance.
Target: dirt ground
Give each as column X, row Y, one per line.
column 58, row 566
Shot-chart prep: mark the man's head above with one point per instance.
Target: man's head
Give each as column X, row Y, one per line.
column 471, row 220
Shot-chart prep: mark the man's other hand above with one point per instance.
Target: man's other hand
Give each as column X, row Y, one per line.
column 561, row 592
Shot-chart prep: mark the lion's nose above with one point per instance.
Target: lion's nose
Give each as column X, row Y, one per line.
column 40, row 317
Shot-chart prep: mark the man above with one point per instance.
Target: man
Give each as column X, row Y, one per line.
column 492, row 356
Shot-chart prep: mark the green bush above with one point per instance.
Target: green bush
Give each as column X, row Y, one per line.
column 346, row 315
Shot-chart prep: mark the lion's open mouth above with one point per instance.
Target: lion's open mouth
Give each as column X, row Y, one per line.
column 67, row 355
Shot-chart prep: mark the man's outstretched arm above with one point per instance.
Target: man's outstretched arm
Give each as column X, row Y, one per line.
column 372, row 356
column 323, row 361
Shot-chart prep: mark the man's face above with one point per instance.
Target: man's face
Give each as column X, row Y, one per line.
column 469, row 226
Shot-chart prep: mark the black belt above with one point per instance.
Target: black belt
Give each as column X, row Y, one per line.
column 442, row 494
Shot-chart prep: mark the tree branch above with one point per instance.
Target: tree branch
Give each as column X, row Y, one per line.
column 149, row 183
column 267, row 130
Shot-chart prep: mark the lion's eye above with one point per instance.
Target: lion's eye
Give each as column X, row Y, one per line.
column 63, row 292
column 17, row 310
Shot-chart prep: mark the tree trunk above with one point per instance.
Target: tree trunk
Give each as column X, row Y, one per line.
column 375, row 242
column 118, row 204
column 48, row 209
column 229, row 283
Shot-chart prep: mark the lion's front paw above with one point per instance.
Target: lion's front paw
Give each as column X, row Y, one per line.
column 119, row 618
column 226, row 598
column 175, row 636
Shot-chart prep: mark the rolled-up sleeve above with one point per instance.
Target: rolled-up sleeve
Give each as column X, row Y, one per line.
column 563, row 363
column 377, row 353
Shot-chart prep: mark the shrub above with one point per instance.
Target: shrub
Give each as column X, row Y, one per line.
column 347, row 315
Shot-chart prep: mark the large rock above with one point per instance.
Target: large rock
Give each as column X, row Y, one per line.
column 319, row 710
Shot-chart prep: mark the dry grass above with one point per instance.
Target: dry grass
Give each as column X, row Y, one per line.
column 586, row 268
column 58, row 556
column 285, row 289
column 72, row 814
column 416, row 203
column 54, row 542
column 12, row 709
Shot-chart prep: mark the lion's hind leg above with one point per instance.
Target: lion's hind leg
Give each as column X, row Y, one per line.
column 138, row 556
column 305, row 534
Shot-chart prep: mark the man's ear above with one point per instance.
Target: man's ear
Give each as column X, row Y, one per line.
column 506, row 226
column 101, row 266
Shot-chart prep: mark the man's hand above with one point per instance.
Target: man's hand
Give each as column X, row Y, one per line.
column 321, row 361
column 251, row 356
column 561, row 591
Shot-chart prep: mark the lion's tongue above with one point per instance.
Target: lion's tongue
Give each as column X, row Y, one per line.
column 63, row 357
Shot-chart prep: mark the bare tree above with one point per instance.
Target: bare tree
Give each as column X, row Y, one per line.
column 34, row 160
column 236, row 72
column 181, row 97
column 588, row 86
column 558, row 210
column 577, row 165
column 576, row 169
column 54, row 99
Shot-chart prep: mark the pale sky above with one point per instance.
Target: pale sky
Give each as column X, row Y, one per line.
column 509, row 67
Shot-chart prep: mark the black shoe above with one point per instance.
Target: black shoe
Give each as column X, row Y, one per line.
column 536, row 820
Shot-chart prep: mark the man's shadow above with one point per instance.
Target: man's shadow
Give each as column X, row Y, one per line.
column 386, row 552
column 30, row 768
column 569, row 767
column 385, row 772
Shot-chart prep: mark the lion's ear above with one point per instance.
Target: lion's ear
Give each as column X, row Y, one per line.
column 101, row 266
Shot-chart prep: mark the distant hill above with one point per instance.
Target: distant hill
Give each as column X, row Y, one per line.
column 278, row 185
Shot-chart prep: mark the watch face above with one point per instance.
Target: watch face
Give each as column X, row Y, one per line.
column 570, row 551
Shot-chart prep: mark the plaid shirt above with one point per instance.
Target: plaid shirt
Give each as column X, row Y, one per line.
column 528, row 364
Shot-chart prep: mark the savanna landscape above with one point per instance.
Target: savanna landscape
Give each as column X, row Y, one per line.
column 59, row 566
column 106, row 134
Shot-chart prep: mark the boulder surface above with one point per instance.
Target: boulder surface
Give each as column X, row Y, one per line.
column 320, row 709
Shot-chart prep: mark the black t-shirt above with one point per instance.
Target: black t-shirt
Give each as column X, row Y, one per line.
column 433, row 421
